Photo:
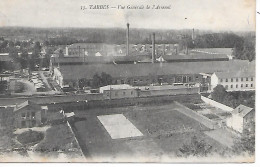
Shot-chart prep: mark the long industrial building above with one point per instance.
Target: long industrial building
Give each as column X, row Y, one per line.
column 144, row 73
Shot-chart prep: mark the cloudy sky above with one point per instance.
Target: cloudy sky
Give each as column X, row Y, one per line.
column 235, row 15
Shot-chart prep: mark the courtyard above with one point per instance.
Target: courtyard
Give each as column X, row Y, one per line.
column 152, row 133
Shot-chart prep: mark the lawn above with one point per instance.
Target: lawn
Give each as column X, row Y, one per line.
column 59, row 138
column 164, row 131
column 30, row 137
column 211, row 116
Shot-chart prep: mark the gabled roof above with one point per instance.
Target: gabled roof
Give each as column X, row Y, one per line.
column 146, row 69
column 116, row 87
column 226, row 51
column 195, row 56
column 242, row 110
column 29, row 104
column 99, row 59
column 235, row 74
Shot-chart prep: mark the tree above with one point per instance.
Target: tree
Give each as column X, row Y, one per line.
column 96, row 81
column 3, row 46
column 246, row 143
column 245, row 50
column 106, row 79
column 24, row 60
column 219, row 93
column 196, row 148
column 103, row 80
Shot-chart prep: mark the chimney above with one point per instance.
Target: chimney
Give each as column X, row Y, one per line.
column 153, row 45
column 193, row 35
column 127, row 39
column 163, row 49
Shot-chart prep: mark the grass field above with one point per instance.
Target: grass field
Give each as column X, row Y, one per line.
column 165, row 129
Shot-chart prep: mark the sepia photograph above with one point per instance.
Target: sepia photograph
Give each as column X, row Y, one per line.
column 157, row 81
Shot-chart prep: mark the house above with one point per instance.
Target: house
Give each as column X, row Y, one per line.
column 29, row 114
column 234, row 80
column 241, row 119
column 118, row 91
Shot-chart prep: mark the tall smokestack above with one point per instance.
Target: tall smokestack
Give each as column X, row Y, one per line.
column 192, row 35
column 127, row 39
column 153, row 51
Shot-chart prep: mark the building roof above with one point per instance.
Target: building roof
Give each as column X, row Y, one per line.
column 116, row 87
column 5, row 57
column 6, row 109
column 235, row 74
column 137, row 56
column 226, row 51
column 29, row 104
column 194, row 56
column 242, row 110
column 99, row 59
column 145, row 69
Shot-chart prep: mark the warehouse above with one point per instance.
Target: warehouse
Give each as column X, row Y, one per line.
column 143, row 73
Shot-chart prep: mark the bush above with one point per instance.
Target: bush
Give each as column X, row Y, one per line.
column 196, row 147
column 192, row 106
column 30, row 137
column 211, row 116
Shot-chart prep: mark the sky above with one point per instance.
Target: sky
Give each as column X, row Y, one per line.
column 228, row 15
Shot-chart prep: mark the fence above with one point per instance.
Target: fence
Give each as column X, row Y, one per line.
column 51, row 99
column 216, row 104
column 83, row 105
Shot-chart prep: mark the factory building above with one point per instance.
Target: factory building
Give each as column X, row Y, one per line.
column 234, row 80
column 118, row 91
column 143, row 73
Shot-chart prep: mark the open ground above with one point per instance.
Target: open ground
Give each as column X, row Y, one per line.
column 164, row 127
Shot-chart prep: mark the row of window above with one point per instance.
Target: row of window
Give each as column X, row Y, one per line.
column 124, row 93
column 177, row 79
column 237, row 79
column 28, row 114
column 242, row 85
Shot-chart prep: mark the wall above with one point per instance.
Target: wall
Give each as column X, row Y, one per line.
column 234, row 84
column 237, row 83
column 213, row 81
column 235, row 122
column 117, row 94
column 28, row 118
column 216, row 104
column 200, row 118
column 51, row 99
column 192, row 90
column 145, row 80
column 125, row 102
